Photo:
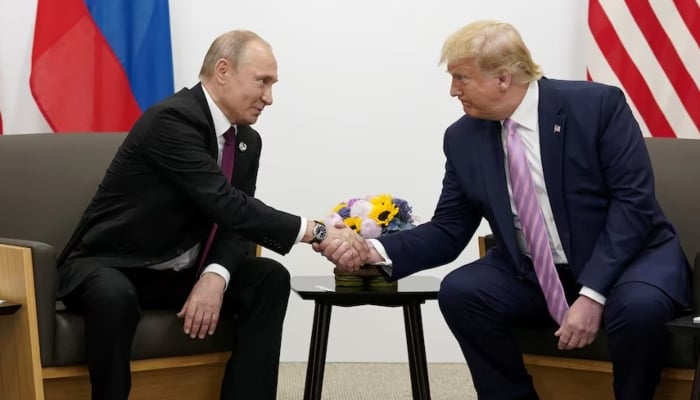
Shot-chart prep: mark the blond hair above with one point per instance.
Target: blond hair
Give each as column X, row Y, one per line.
column 494, row 46
column 230, row 46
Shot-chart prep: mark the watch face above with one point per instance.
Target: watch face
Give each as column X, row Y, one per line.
column 319, row 232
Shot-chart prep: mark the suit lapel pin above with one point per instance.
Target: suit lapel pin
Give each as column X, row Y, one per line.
column 557, row 128
column 242, row 146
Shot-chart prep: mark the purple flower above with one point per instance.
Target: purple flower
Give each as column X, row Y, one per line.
column 405, row 210
column 344, row 212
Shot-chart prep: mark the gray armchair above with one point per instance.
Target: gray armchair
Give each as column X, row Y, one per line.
column 587, row 373
column 47, row 181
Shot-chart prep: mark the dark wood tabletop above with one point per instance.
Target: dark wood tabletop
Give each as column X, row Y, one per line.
column 323, row 288
column 685, row 325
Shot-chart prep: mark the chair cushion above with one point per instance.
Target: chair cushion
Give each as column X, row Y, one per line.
column 543, row 342
column 158, row 334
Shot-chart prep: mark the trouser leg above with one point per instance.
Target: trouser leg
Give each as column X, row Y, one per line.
column 480, row 303
column 634, row 317
column 259, row 294
column 109, row 303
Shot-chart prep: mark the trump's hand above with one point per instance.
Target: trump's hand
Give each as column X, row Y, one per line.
column 580, row 325
column 343, row 247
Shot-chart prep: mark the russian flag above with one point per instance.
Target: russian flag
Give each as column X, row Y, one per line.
column 97, row 65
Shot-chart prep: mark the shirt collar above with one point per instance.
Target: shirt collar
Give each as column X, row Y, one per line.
column 221, row 123
column 526, row 112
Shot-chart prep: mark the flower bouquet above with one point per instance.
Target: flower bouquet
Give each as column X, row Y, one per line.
column 371, row 217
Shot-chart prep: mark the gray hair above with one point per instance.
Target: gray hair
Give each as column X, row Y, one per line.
column 230, row 46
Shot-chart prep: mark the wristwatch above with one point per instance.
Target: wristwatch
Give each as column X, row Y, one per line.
column 319, row 232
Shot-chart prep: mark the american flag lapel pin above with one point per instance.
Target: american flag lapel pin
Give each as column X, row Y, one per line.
column 557, row 128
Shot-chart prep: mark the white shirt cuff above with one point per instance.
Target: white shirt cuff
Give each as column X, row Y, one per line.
column 219, row 270
column 593, row 295
column 386, row 265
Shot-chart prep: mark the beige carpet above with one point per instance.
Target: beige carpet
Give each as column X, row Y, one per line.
column 376, row 381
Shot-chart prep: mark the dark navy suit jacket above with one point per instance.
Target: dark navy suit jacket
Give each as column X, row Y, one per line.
column 599, row 182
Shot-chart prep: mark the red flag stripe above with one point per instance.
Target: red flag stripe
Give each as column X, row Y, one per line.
column 667, row 56
column 689, row 11
column 626, row 70
column 76, row 80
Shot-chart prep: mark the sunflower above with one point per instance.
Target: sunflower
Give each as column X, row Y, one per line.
column 384, row 210
column 353, row 223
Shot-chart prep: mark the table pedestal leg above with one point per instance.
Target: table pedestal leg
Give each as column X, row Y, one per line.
column 416, row 351
column 317, row 351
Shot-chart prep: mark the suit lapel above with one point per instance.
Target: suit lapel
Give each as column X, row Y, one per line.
column 497, row 188
column 552, row 126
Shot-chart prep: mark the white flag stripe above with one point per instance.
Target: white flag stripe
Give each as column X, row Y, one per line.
column 636, row 45
column 681, row 38
column 600, row 71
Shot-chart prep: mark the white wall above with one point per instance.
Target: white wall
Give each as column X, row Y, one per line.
column 360, row 108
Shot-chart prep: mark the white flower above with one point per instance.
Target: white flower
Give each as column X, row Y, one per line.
column 370, row 229
column 361, row 208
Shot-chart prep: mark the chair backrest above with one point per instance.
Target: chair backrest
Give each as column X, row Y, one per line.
column 47, row 180
column 678, row 187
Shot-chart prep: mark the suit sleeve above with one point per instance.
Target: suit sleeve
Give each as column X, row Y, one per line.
column 627, row 171
column 444, row 237
column 178, row 152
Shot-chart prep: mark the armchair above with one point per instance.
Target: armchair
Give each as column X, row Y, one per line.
column 47, row 181
column 587, row 373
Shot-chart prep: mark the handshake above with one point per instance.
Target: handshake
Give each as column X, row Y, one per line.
column 343, row 238
column 345, row 248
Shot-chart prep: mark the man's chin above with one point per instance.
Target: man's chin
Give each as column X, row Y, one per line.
column 251, row 120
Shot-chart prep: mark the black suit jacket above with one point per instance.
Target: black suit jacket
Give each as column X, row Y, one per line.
column 164, row 190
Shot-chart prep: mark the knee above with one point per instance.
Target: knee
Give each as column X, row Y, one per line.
column 279, row 276
column 120, row 304
column 276, row 280
column 454, row 295
column 637, row 313
column 108, row 295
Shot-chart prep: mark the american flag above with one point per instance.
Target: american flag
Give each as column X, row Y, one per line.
column 650, row 49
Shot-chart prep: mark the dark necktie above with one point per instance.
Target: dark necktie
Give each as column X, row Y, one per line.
column 532, row 223
column 227, row 156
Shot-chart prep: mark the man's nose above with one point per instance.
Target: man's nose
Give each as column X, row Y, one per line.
column 267, row 97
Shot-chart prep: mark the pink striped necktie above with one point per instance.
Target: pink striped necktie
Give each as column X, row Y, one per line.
column 532, row 223
column 228, row 154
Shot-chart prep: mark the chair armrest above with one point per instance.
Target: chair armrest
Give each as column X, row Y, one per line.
column 486, row 242
column 45, row 282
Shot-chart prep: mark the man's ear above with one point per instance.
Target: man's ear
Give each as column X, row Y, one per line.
column 222, row 70
column 504, row 79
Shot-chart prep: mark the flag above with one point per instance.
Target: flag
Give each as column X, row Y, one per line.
column 650, row 49
column 97, row 65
